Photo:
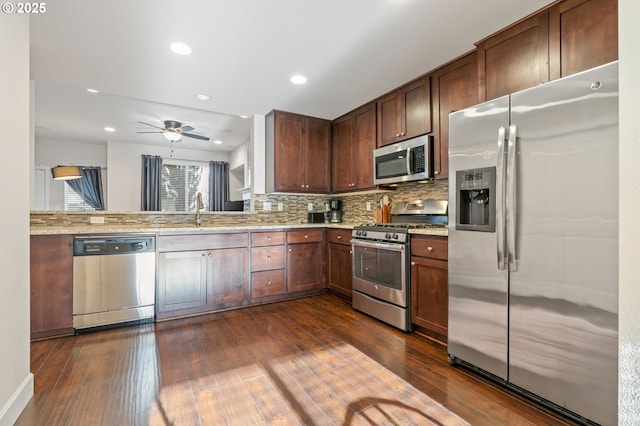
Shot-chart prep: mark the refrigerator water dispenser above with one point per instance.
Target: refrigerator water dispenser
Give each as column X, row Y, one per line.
column 476, row 199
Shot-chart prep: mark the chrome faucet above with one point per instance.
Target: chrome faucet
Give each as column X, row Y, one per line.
column 199, row 206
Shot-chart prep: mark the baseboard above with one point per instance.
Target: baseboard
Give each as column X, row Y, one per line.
column 20, row 398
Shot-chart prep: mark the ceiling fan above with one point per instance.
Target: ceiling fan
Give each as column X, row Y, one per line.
column 174, row 130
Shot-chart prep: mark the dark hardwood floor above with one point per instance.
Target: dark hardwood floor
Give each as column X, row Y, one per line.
column 309, row 361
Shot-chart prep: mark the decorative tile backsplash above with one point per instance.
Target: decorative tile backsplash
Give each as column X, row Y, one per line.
column 295, row 209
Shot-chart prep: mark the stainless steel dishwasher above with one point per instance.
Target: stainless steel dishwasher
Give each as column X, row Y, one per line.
column 113, row 280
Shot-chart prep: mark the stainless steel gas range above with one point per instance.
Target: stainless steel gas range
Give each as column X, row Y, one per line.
column 381, row 260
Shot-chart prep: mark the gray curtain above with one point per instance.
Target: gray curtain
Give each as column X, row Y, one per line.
column 218, row 185
column 89, row 187
column 151, row 183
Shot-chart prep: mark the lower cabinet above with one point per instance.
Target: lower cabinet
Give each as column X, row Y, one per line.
column 51, row 287
column 429, row 286
column 193, row 278
column 305, row 260
column 339, row 262
column 268, row 263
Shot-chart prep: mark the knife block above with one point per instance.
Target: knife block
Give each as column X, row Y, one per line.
column 383, row 214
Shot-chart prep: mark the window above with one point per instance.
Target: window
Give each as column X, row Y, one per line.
column 74, row 201
column 181, row 181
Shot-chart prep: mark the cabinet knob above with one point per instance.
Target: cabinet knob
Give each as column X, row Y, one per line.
column 398, row 135
column 289, row 250
column 210, row 255
column 430, row 248
column 204, row 254
column 306, row 236
column 350, row 251
column 436, row 172
column 339, row 237
column 306, row 186
column 269, row 283
column 269, row 237
column 268, row 257
column 413, row 263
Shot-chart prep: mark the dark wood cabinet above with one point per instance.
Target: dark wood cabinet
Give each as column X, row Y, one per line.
column 268, row 264
column 51, row 286
column 339, row 262
column 429, row 286
column 201, row 272
column 582, row 34
column 228, row 282
column 404, row 113
column 454, row 87
column 353, row 142
column 305, row 260
column 298, row 153
column 515, row 58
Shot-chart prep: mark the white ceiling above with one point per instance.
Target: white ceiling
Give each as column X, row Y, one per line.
column 244, row 52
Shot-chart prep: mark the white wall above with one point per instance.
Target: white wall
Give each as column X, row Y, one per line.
column 16, row 382
column 50, row 153
column 629, row 248
column 124, row 161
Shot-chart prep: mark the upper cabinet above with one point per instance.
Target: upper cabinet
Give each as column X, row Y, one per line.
column 405, row 113
column 514, row 59
column 582, row 34
column 297, row 151
column 353, row 142
column 454, row 87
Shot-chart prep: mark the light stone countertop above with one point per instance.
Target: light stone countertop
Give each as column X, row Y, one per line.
column 182, row 229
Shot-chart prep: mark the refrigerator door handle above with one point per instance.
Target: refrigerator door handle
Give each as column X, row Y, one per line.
column 500, row 200
column 511, row 197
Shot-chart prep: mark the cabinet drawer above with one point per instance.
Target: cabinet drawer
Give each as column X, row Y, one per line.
column 268, row 238
column 268, row 257
column 433, row 247
column 339, row 236
column 201, row 241
column 305, row 236
column 267, row 283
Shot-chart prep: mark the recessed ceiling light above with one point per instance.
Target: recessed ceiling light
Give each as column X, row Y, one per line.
column 180, row 48
column 92, row 91
column 244, row 116
column 298, row 79
column 203, row 97
column 218, row 142
column 109, row 129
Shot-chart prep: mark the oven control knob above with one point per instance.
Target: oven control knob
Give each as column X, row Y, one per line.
column 387, row 235
column 396, row 236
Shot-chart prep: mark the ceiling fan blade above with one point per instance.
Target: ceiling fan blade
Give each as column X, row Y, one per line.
column 154, row 131
column 191, row 135
column 152, row 125
column 186, row 129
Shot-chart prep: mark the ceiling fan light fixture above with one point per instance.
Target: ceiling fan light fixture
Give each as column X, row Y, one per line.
column 172, row 136
column 66, row 172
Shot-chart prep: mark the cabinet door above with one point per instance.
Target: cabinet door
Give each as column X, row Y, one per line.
column 289, row 144
column 316, row 157
column 417, row 108
column 582, row 34
column 339, row 276
column 430, row 296
column 51, row 285
column 514, row 59
column 305, row 267
column 182, row 280
column 455, row 86
column 364, row 142
column 228, row 277
column 341, row 154
column 390, row 125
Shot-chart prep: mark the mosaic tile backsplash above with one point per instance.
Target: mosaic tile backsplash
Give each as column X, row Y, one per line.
column 294, row 210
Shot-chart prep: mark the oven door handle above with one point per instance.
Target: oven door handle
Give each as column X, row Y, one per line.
column 378, row 245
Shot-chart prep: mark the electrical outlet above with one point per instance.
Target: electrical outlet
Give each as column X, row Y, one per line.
column 280, row 207
column 310, row 207
column 368, row 206
column 266, row 206
column 96, row 220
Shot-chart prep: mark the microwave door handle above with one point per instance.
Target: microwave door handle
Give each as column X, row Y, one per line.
column 410, row 161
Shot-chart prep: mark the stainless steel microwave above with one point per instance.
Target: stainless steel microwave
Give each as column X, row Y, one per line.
column 404, row 161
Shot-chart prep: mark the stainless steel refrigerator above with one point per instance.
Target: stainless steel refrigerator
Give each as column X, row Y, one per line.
column 533, row 242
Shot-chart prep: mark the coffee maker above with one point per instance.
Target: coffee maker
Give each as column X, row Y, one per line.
column 335, row 211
